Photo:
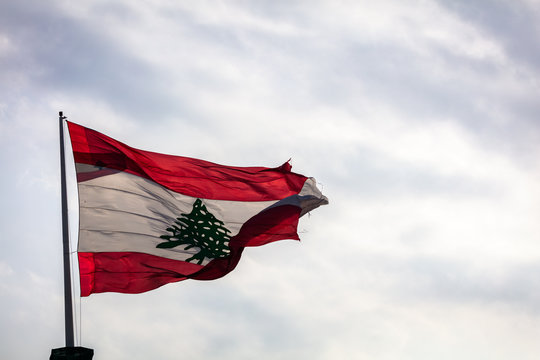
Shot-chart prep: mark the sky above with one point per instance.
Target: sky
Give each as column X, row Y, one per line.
column 419, row 119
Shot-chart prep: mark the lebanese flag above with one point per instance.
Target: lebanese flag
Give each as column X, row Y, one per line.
column 148, row 219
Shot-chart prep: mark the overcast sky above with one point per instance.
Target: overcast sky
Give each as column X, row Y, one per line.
column 419, row 119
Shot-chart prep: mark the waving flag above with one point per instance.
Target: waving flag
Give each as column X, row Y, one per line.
column 148, row 219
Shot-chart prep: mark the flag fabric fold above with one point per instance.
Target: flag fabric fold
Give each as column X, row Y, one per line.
column 148, row 219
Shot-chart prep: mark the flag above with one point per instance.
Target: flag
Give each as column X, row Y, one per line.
column 147, row 219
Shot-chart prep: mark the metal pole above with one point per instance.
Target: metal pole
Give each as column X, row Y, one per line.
column 68, row 301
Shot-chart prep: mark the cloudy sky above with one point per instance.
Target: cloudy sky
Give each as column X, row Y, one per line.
column 419, row 119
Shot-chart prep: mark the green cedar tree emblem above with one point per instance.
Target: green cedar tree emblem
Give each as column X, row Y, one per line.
column 200, row 229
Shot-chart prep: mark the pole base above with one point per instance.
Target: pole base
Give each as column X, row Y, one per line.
column 72, row 353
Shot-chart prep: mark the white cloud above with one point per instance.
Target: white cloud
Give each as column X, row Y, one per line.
column 5, row 45
column 5, row 269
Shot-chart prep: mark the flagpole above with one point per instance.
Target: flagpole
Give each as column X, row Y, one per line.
column 68, row 300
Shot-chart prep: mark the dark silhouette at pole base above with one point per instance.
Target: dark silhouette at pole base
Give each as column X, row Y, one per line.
column 72, row 353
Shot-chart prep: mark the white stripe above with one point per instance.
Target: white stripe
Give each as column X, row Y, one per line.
column 125, row 212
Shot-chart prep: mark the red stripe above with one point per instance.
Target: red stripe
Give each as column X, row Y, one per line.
column 277, row 223
column 192, row 177
column 129, row 272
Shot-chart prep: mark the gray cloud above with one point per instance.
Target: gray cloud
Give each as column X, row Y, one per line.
column 512, row 23
column 58, row 54
column 426, row 279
